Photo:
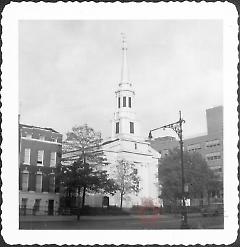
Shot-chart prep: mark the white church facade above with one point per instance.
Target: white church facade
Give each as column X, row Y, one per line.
column 127, row 143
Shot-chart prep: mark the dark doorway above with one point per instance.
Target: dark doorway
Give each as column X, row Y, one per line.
column 105, row 201
column 50, row 207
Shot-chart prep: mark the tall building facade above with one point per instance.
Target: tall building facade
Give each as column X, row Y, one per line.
column 210, row 146
column 127, row 144
column 39, row 156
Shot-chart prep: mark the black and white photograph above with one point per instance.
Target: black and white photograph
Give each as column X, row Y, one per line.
column 121, row 124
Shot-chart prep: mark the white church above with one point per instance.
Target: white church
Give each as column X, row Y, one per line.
column 127, row 143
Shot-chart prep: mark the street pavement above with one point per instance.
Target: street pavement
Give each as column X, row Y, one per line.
column 196, row 221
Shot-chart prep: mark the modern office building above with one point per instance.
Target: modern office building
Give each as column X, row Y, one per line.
column 210, row 146
column 39, row 156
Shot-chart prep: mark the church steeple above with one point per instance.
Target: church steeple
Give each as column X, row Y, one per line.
column 124, row 72
column 124, row 123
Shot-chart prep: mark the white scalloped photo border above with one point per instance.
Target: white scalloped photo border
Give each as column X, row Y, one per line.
column 14, row 12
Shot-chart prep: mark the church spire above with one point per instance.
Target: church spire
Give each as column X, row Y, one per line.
column 124, row 72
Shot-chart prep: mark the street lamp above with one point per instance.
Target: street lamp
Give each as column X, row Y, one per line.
column 177, row 127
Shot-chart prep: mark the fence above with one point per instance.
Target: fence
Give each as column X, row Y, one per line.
column 37, row 211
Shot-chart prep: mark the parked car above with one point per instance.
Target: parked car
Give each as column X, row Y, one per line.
column 213, row 209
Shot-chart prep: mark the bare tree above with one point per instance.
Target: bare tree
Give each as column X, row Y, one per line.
column 126, row 178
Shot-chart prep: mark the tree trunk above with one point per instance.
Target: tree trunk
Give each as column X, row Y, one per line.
column 208, row 198
column 83, row 197
column 78, row 208
column 121, row 200
column 84, row 187
column 79, row 197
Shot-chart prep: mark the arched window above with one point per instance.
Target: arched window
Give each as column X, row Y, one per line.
column 124, row 101
column 129, row 102
column 119, row 102
column 117, row 127
column 131, row 127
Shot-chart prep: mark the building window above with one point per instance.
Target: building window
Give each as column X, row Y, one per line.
column 52, row 183
column 40, row 157
column 29, row 136
column 119, row 102
column 129, row 102
column 131, row 127
column 54, row 139
column 193, row 147
column 124, row 101
column 36, row 206
column 23, row 209
column 24, row 203
column 42, row 138
column 213, row 156
column 53, row 159
column 25, row 177
column 117, row 127
column 39, row 182
column 213, row 143
column 27, row 152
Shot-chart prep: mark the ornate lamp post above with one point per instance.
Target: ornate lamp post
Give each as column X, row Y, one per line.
column 177, row 127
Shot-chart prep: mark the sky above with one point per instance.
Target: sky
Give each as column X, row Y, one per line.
column 69, row 71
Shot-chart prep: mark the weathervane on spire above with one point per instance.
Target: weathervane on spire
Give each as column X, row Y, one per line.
column 124, row 71
column 124, row 41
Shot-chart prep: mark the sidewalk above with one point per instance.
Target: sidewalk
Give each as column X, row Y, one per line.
column 37, row 218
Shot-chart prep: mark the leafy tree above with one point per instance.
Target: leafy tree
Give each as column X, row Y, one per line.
column 85, row 170
column 81, row 175
column 200, row 178
column 126, row 178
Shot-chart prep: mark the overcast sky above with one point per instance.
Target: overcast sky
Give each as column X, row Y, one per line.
column 69, row 71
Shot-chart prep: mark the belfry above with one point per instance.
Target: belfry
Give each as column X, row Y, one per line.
column 128, row 144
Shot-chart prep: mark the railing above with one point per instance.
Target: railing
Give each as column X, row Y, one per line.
column 35, row 211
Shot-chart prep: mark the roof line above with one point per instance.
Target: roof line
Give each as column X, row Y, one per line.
column 37, row 127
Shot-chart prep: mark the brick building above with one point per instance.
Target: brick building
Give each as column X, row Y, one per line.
column 39, row 156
